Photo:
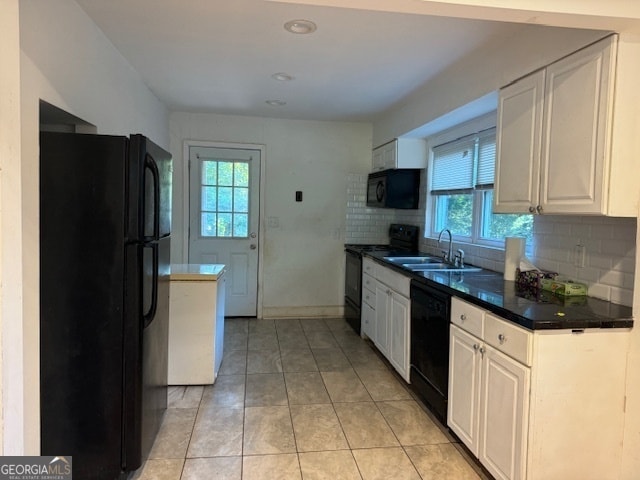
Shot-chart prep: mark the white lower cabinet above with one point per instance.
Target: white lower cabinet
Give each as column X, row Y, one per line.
column 537, row 405
column 386, row 313
column 383, row 303
column 399, row 342
column 488, row 396
column 463, row 410
column 504, row 401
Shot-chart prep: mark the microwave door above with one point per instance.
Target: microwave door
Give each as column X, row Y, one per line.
column 380, row 191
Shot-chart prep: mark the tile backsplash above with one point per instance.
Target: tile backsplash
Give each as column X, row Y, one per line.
column 607, row 265
column 609, row 252
column 364, row 224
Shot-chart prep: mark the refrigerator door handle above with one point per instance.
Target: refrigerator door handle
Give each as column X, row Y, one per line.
column 151, row 313
column 150, row 164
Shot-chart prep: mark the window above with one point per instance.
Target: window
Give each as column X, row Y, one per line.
column 461, row 192
column 224, row 198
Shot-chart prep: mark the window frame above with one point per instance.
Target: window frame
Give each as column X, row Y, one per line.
column 465, row 129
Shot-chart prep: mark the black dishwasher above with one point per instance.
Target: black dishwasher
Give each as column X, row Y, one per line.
column 430, row 346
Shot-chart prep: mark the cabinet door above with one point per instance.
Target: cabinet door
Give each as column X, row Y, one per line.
column 464, row 387
column 377, row 162
column 504, row 408
column 368, row 317
column 399, row 320
column 383, row 297
column 389, row 152
column 518, row 137
column 579, row 92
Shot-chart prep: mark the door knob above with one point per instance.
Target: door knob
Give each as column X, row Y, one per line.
column 253, row 235
column 253, row 246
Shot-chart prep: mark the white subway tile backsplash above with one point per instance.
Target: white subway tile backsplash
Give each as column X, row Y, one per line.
column 621, row 296
column 609, row 252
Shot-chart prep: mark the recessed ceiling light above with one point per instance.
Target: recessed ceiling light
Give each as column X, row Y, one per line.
column 300, row 26
column 282, row 77
column 276, row 103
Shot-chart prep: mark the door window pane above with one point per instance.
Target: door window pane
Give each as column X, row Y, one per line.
column 224, row 198
column 241, row 175
column 209, row 172
column 224, row 225
column 241, row 200
column 240, row 225
column 208, row 224
column 209, row 199
column 225, row 173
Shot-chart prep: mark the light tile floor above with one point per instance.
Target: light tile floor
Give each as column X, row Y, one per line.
column 301, row 399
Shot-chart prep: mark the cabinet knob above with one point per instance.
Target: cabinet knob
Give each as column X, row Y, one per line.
column 482, row 350
column 532, row 209
column 501, row 338
column 476, row 347
column 539, row 208
column 463, row 317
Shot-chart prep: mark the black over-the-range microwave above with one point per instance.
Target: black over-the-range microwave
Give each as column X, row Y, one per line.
column 397, row 188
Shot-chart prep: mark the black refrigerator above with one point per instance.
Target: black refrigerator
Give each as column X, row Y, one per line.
column 105, row 223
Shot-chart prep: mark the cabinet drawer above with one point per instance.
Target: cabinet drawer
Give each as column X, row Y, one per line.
column 467, row 316
column 368, row 266
column 396, row 281
column 368, row 282
column 369, row 297
column 508, row 338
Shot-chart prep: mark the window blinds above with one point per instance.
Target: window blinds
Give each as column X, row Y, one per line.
column 464, row 164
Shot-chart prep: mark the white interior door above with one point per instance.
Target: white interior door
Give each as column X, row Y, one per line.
column 224, row 210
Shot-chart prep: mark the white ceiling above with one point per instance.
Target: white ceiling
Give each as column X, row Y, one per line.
column 219, row 55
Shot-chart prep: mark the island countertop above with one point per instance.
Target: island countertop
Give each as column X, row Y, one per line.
column 195, row 272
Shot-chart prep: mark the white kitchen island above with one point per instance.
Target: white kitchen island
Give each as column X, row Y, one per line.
column 196, row 323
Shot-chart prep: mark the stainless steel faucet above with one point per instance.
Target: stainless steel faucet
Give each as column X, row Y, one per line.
column 448, row 257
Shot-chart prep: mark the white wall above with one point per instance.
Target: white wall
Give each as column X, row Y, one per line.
column 67, row 61
column 485, row 70
column 11, row 365
column 303, row 257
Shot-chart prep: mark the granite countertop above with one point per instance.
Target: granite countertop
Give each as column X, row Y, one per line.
column 534, row 310
column 196, row 272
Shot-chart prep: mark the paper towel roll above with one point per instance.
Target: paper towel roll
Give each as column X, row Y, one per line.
column 513, row 252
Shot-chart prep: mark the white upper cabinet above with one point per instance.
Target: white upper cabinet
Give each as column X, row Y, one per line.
column 518, row 137
column 400, row 153
column 554, row 139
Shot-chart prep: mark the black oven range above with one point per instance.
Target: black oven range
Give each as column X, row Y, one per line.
column 402, row 237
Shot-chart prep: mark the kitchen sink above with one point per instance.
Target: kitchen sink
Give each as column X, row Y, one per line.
column 439, row 267
column 413, row 260
column 426, row 263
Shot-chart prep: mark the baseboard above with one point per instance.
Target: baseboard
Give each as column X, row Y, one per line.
column 317, row 311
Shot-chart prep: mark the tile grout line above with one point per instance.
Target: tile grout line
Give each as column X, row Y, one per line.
column 286, row 391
